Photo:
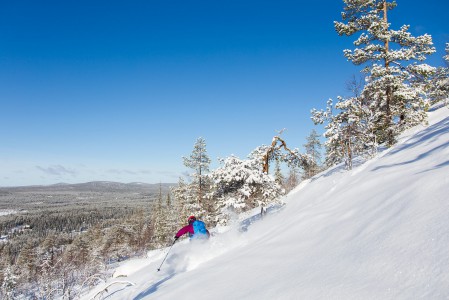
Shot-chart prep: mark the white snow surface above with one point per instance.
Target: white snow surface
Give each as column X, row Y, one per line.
column 6, row 212
column 380, row 231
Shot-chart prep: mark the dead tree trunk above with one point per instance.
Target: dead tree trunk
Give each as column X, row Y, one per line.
column 273, row 147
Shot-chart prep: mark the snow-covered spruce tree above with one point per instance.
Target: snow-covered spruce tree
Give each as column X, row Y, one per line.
column 446, row 57
column 78, row 265
column 140, row 224
column 312, row 148
column 278, row 176
column 240, row 185
column 172, row 216
column 394, row 88
column 293, row 179
column 27, row 261
column 46, row 282
column 162, row 222
column 185, row 202
column 199, row 161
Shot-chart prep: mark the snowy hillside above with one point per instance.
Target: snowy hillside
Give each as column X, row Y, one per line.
column 380, row 231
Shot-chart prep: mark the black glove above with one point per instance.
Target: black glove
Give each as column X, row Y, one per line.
column 176, row 238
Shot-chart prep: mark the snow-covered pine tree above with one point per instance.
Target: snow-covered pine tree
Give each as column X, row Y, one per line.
column 348, row 131
column 393, row 86
column 445, row 83
column 312, row 148
column 199, row 161
column 358, row 110
column 240, row 185
column 336, row 151
column 356, row 121
column 438, row 86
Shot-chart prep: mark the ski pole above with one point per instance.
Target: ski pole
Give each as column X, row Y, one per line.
column 166, row 255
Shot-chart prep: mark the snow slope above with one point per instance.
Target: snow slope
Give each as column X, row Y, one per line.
column 380, row 231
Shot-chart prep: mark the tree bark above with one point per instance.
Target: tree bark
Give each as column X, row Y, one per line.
column 266, row 157
column 389, row 91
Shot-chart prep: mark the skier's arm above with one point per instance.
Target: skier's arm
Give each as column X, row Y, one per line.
column 184, row 230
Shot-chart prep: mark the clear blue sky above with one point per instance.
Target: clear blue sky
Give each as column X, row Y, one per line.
column 120, row 91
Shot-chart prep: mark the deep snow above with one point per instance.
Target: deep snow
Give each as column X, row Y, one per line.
column 380, row 231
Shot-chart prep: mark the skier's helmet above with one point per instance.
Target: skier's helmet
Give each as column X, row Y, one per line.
column 191, row 219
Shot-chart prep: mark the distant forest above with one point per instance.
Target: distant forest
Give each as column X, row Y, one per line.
column 54, row 237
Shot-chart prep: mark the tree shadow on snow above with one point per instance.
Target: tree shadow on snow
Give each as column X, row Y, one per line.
column 153, row 288
column 429, row 134
column 419, row 157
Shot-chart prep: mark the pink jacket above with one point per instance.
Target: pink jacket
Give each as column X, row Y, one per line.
column 188, row 229
column 184, row 230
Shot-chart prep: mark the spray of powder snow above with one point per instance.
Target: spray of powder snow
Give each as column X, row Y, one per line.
column 189, row 254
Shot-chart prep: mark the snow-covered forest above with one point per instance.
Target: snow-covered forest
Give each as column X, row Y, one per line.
column 349, row 223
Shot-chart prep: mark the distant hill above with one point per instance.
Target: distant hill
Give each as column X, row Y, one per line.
column 93, row 186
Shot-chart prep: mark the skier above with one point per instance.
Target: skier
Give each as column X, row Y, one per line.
column 196, row 230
